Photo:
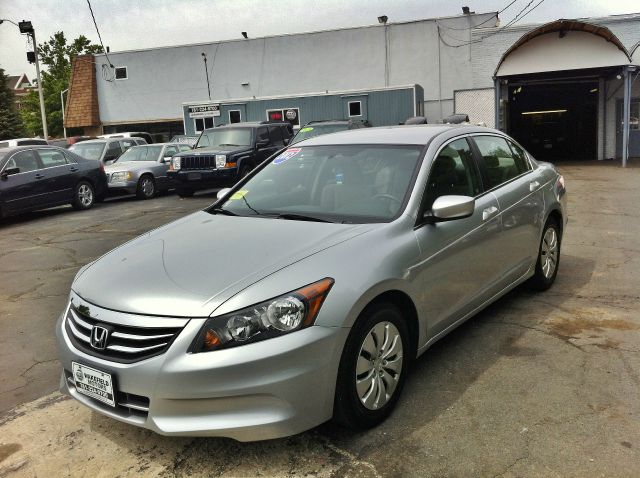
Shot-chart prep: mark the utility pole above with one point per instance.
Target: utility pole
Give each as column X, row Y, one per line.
column 206, row 72
column 64, row 128
column 27, row 28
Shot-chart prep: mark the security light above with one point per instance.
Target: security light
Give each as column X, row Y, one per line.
column 383, row 19
column 25, row 26
column 466, row 10
column 244, row 34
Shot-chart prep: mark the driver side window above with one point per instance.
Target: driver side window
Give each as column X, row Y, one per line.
column 453, row 172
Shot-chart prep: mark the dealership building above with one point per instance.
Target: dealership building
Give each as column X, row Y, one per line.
column 565, row 89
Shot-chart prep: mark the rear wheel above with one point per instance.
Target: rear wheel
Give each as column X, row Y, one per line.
column 373, row 368
column 548, row 257
column 84, row 196
column 146, row 187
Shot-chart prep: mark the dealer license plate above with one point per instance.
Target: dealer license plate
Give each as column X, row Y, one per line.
column 194, row 176
column 93, row 383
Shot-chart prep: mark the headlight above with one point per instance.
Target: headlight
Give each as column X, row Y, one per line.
column 175, row 164
column 272, row 318
column 221, row 161
column 121, row 176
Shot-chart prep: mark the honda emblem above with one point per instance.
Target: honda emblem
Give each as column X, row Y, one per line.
column 99, row 336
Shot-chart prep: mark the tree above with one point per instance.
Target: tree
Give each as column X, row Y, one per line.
column 10, row 124
column 56, row 57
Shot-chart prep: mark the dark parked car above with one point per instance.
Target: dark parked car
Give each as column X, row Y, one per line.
column 38, row 177
column 316, row 128
column 226, row 154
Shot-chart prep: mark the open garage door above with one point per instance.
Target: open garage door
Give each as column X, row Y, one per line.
column 555, row 120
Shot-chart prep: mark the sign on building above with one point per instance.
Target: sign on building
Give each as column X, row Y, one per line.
column 204, row 111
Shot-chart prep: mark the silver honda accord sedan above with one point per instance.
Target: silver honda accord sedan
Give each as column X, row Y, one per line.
column 304, row 293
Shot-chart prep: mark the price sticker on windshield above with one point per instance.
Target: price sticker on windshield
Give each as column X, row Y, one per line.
column 285, row 155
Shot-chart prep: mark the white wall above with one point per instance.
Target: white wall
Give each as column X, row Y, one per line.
column 161, row 79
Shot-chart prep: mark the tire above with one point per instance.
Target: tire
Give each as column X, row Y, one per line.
column 357, row 364
column 146, row 187
column 184, row 193
column 548, row 257
column 84, row 196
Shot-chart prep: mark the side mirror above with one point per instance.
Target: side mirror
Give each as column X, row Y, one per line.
column 9, row 171
column 166, row 159
column 262, row 144
column 447, row 208
column 286, row 141
column 222, row 193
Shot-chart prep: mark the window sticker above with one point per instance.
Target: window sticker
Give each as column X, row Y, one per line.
column 285, row 155
column 239, row 194
column 306, row 130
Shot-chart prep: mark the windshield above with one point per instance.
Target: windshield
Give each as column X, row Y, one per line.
column 141, row 153
column 88, row 150
column 350, row 184
column 311, row 131
column 225, row 137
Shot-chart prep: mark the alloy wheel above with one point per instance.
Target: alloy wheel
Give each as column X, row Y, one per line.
column 549, row 252
column 85, row 195
column 379, row 365
column 148, row 188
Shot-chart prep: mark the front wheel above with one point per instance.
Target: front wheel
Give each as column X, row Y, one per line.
column 146, row 188
column 548, row 257
column 84, row 196
column 373, row 368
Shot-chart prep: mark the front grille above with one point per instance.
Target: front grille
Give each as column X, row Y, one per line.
column 128, row 405
column 124, row 344
column 198, row 162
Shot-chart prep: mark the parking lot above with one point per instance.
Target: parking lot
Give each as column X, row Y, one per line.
column 535, row 385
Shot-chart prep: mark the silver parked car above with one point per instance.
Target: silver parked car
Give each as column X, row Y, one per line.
column 142, row 170
column 307, row 289
column 106, row 150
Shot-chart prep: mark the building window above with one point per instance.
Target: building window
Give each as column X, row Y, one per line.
column 355, row 108
column 289, row 115
column 121, row 73
column 203, row 123
column 235, row 116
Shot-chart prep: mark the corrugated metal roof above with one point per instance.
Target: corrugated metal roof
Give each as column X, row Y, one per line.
column 564, row 25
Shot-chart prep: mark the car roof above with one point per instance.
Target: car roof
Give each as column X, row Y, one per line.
column 411, row 134
column 11, row 149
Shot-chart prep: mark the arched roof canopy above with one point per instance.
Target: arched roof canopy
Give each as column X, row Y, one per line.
column 563, row 45
column 635, row 54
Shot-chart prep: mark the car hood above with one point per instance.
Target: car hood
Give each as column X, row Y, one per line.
column 210, row 151
column 129, row 166
column 190, row 267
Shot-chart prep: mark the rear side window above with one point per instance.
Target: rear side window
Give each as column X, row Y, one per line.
column 501, row 164
column 275, row 136
column 113, row 150
column 520, row 156
column 25, row 160
column 263, row 134
column 453, row 172
column 51, row 158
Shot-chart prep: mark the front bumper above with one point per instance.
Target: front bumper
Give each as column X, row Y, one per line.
column 269, row 389
column 194, row 179
column 128, row 187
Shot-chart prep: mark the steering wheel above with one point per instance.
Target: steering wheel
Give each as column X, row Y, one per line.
column 388, row 196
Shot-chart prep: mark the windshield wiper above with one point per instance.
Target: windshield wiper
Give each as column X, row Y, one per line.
column 229, row 144
column 219, row 210
column 300, row 217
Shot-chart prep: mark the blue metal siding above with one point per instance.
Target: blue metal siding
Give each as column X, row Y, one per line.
column 380, row 108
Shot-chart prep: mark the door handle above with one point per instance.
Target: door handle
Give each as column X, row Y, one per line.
column 489, row 212
column 533, row 185
column 39, row 176
column 73, row 170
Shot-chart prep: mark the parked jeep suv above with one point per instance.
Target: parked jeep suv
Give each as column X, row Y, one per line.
column 226, row 154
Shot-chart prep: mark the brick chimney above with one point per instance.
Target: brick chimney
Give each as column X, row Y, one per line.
column 82, row 103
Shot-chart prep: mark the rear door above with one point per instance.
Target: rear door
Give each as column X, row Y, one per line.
column 21, row 191
column 60, row 176
column 509, row 176
column 456, row 269
column 263, row 152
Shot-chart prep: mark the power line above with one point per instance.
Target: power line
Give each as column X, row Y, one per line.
column 519, row 16
column 483, row 22
column 104, row 50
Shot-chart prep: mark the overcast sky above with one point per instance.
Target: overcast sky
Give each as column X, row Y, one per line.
column 131, row 24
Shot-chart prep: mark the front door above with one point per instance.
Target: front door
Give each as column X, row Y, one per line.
column 59, row 176
column 20, row 191
column 456, row 271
